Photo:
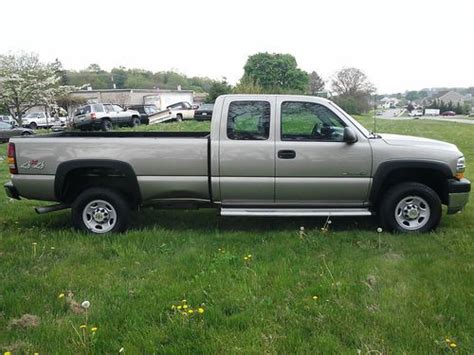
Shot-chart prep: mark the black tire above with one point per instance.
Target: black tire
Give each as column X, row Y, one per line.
column 135, row 122
column 179, row 117
column 388, row 210
column 33, row 125
column 111, row 197
column 26, row 133
column 106, row 125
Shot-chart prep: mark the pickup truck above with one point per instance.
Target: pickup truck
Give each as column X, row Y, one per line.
column 181, row 111
column 34, row 120
column 265, row 155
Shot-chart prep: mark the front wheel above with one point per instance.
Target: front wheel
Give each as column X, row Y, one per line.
column 100, row 211
column 135, row 122
column 410, row 207
column 33, row 125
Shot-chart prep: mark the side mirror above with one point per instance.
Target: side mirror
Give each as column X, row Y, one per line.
column 349, row 136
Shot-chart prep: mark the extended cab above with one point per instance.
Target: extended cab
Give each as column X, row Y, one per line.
column 266, row 155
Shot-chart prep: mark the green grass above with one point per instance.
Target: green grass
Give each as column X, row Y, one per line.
column 376, row 291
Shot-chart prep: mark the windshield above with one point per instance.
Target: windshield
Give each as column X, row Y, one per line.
column 208, row 107
column 361, row 128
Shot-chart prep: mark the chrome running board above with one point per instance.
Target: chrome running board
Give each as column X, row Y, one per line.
column 295, row 212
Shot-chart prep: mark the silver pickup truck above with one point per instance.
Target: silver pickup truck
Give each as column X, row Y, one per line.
column 266, row 155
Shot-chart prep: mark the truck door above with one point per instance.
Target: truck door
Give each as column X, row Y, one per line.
column 247, row 151
column 313, row 164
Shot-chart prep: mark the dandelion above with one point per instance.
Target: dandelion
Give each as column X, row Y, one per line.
column 200, row 310
column 61, row 295
column 7, row 353
column 249, row 256
column 121, row 350
column 452, row 345
column 83, row 326
column 85, row 304
column 34, row 249
column 93, row 329
column 185, row 306
column 379, row 230
column 448, row 340
column 179, row 307
column 246, row 258
column 53, row 248
column 190, row 311
column 184, row 301
column 315, row 298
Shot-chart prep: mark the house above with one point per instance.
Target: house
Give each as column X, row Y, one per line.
column 127, row 97
column 449, row 96
column 389, row 102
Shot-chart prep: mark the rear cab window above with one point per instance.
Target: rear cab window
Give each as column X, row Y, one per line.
column 248, row 120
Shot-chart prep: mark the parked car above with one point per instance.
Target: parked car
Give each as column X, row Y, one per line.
column 104, row 117
column 41, row 119
column 204, row 112
column 181, row 111
column 448, row 113
column 145, row 111
column 9, row 119
column 266, row 155
column 416, row 113
column 7, row 131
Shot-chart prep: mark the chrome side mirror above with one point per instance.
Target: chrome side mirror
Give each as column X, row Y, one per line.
column 349, row 136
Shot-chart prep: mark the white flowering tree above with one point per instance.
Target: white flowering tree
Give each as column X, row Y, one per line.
column 25, row 82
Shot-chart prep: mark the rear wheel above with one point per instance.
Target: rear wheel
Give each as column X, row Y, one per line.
column 33, row 125
column 100, row 211
column 26, row 133
column 179, row 117
column 410, row 207
column 106, row 125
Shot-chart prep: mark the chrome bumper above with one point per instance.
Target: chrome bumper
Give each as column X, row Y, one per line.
column 458, row 195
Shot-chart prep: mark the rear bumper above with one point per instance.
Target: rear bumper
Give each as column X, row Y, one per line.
column 11, row 190
column 458, row 194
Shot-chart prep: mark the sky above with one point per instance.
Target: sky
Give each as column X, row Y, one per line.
column 400, row 45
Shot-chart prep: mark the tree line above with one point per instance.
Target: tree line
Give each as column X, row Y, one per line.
column 26, row 82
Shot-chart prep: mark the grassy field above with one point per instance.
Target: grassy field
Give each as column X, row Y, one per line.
column 261, row 284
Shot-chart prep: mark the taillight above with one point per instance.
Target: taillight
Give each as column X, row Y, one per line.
column 93, row 116
column 12, row 159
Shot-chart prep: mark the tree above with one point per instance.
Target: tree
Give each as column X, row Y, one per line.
column 352, row 89
column 218, row 88
column 316, row 83
column 25, row 82
column 275, row 72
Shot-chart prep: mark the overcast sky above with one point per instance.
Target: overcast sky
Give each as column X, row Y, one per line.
column 401, row 45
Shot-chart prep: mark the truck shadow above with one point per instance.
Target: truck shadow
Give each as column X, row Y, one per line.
column 207, row 219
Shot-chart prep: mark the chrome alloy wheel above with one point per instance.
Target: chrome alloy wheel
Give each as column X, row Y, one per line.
column 99, row 216
column 412, row 213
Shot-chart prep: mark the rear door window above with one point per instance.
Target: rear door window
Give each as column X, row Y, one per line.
column 248, row 120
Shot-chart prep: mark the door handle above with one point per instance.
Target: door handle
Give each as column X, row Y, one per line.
column 286, row 154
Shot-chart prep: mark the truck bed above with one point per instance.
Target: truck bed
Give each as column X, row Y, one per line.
column 167, row 164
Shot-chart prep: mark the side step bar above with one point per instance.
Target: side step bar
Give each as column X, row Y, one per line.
column 52, row 208
column 295, row 212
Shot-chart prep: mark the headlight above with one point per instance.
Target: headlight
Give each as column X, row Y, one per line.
column 460, row 168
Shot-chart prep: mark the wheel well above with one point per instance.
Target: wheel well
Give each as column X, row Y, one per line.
column 433, row 178
column 73, row 180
